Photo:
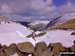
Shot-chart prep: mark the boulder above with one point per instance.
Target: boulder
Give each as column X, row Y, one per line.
column 0, row 46
column 37, row 52
column 73, row 33
column 11, row 50
column 41, row 45
column 39, row 48
column 57, row 47
column 46, row 53
column 73, row 48
column 2, row 53
column 21, row 53
column 26, row 47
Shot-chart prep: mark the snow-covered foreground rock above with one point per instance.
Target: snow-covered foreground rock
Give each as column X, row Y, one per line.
column 61, row 36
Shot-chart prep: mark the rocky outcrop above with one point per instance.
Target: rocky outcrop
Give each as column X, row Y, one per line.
column 73, row 33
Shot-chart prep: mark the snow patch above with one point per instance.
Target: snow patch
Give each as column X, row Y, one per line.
column 61, row 36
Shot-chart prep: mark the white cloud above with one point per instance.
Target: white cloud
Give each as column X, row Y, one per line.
column 42, row 6
column 68, row 7
column 38, row 4
column 21, row 6
column 5, row 8
column 16, row 6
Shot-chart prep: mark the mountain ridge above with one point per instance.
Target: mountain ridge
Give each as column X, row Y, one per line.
column 59, row 20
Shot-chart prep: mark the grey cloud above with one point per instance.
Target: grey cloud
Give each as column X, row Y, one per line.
column 23, row 6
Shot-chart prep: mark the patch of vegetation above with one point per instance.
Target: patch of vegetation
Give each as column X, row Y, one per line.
column 36, row 35
column 41, row 34
column 37, row 27
column 67, row 25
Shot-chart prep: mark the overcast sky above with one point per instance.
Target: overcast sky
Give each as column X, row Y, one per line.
column 37, row 7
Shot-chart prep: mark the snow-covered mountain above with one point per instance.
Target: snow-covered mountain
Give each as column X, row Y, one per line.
column 59, row 20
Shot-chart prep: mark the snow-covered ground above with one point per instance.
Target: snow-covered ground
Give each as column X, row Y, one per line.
column 16, row 33
column 61, row 36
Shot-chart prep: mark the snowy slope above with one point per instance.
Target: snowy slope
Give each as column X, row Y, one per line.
column 59, row 20
column 13, row 32
column 61, row 36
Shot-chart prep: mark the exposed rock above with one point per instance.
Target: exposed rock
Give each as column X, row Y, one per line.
column 73, row 33
column 54, row 44
column 73, row 48
column 37, row 26
column 21, row 53
column 57, row 47
column 26, row 47
column 74, row 42
column 46, row 53
column 41, row 45
column 0, row 46
column 2, row 53
column 11, row 49
column 37, row 52
column 4, row 46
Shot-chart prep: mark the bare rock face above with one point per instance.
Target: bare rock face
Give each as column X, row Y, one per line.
column 40, row 47
column 26, row 47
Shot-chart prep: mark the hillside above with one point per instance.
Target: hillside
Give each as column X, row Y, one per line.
column 60, row 20
column 68, row 25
